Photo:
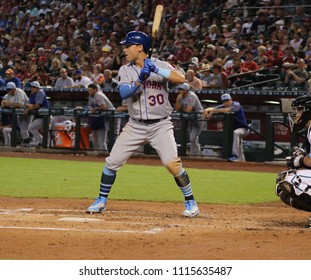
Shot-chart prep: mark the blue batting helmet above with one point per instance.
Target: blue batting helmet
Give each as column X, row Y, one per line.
column 137, row 38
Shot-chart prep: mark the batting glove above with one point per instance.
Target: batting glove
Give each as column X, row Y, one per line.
column 294, row 161
column 144, row 74
column 149, row 63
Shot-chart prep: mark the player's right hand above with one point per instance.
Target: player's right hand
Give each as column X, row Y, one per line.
column 149, row 63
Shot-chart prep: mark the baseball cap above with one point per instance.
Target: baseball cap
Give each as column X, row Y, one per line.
column 236, row 50
column 105, row 49
column 35, row 84
column 77, row 72
column 10, row 85
column 183, row 86
column 225, row 97
column 9, row 71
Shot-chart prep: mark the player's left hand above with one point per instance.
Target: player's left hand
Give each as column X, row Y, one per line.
column 294, row 162
column 150, row 64
column 144, row 74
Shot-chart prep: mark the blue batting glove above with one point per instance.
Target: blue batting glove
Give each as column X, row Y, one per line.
column 149, row 63
column 144, row 74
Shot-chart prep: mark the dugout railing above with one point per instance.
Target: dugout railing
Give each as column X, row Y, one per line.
column 221, row 138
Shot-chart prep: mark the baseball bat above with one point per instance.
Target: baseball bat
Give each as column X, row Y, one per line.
column 155, row 27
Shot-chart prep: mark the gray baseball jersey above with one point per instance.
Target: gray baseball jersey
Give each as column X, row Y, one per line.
column 19, row 97
column 151, row 100
column 100, row 99
column 192, row 100
column 150, row 103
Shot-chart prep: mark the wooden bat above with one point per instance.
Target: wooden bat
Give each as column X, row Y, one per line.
column 155, row 27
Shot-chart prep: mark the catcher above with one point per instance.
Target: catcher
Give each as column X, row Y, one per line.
column 293, row 186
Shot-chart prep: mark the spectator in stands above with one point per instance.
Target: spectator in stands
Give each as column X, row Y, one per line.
column 274, row 60
column 219, row 77
column 289, row 59
column 234, row 73
column 184, row 55
column 209, row 53
column 98, row 102
column 194, row 82
column 10, row 77
column 214, row 33
column 79, row 80
column 240, row 127
column 233, row 55
column 296, row 42
column 221, row 55
column 261, row 24
column 64, row 81
column 206, row 76
column 110, row 83
column 297, row 78
column 261, row 58
column 15, row 98
column 249, row 64
column 98, row 77
column 106, row 60
column 37, row 100
column 116, row 55
column 187, row 101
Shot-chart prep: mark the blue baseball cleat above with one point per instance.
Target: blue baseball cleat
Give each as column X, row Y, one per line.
column 192, row 208
column 98, row 206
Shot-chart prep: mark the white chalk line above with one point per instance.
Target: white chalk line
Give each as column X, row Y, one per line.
column 151, row 231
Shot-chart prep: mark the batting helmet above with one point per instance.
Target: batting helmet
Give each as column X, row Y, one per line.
column 137, row 38
column 302, row 107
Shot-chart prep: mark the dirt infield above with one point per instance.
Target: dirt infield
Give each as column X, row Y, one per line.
column 59, row 229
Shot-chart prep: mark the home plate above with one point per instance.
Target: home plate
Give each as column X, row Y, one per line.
column 83, row 220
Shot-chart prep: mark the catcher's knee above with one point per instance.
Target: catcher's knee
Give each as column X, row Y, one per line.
column 285, row 190
column 174, row 166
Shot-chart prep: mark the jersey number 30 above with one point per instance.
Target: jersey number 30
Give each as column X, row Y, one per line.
column 156, row 99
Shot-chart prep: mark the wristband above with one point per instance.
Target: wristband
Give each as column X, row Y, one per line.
column 164, row 72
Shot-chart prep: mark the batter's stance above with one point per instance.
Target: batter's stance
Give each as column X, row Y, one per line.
column 143, row 83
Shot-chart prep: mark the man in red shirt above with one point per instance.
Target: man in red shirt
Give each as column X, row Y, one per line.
column 249, row 64
column 184, row 55
column 275, row 58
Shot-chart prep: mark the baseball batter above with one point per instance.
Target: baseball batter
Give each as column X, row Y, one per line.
column 143, row 84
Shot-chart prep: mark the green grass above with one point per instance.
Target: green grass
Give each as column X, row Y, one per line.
column 77, row 179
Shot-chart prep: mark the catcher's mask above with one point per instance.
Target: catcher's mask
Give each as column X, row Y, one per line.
column 301, row 113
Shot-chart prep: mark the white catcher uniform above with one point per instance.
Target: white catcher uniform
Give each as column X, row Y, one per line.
column 149, row 110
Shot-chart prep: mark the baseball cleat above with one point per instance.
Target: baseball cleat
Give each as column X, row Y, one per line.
column 309, row 223
column 98, row 206
column 192, row 208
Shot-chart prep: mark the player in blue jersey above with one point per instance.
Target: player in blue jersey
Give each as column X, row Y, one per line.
column 240, row 127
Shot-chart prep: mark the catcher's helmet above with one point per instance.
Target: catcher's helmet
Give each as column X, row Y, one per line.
column 137, row 38
column 302, row 107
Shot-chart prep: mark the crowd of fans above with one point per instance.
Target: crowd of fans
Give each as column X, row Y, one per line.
column 211, row 41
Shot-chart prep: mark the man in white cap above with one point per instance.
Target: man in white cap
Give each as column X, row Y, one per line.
column 240, row 127
column 187, row 101
column 15, row 98
column 37, row 100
